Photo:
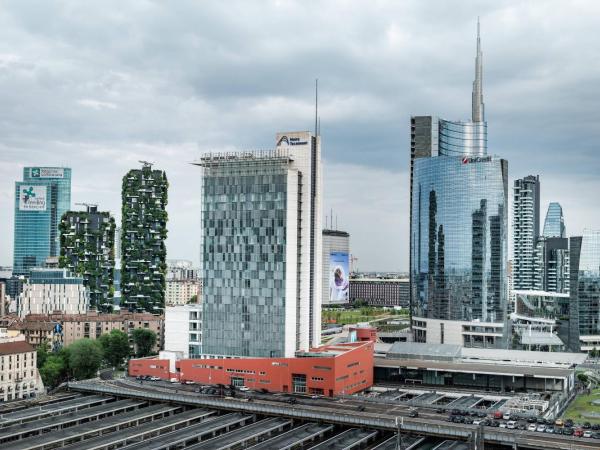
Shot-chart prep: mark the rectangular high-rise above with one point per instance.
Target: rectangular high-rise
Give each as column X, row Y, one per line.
column 143, row 234
column 41, row 199
column 87, row 249
column 526, row 230
column 261, row 249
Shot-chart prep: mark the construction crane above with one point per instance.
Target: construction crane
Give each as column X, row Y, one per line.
column 146, row 163
column 353, row 260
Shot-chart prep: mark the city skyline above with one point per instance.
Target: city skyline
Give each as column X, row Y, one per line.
column 77, row 101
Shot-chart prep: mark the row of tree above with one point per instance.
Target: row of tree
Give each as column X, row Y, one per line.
column 84, row 357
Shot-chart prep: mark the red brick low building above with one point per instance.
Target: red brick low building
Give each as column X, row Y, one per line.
column 329, row 370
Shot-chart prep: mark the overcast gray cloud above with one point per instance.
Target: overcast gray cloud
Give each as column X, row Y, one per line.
column 99, row 85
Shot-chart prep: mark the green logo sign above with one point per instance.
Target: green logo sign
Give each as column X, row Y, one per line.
column 35, row 172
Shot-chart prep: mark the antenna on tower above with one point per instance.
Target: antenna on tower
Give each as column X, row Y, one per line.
column 316, row 106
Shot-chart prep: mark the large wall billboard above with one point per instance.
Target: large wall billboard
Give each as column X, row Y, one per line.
column 339, row 277
column 32, row 198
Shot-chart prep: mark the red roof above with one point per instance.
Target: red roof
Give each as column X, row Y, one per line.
column 12, row 348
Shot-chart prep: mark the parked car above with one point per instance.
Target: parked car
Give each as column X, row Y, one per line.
column 578, row 432
column 244, row 388
column 587, row 426
column 568, row 423
column 506, row 416
column 559, row 422
column 541, row 428
column 587, row 434
column 511, row 424
column 413, row 413
column 549, row 430
column 502, row 425
column 568, row 431
column 154, row 378
column 532, row 427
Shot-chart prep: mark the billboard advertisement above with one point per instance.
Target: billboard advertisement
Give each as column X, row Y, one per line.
column 47, row 172
column 32, row 198
column 339, row 277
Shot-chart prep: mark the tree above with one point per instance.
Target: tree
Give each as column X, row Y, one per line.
column 84, row 358
column 54, row 370
column 42, row 354
column 144, row 341
column 193, row 299
column 115, row 347
column 582, row 377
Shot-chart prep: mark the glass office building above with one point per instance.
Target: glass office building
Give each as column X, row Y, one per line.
column 459, row 242
column 41, row 199
column 584, row 317
column 261, row 249
column 458, row 229
column 462, row 138
column 554, row 225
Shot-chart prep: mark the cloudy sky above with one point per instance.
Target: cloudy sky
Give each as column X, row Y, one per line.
column 97, row 86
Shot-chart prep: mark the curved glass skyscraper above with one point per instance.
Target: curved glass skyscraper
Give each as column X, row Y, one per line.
column 462, row 138
column 459, row 238
column 459, row 211
column 554, row 225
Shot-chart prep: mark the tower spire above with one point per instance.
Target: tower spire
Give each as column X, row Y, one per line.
column 478, row 113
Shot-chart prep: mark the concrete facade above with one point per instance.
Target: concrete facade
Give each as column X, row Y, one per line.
column 183, row 330
column 19, row 377
column 53, row 290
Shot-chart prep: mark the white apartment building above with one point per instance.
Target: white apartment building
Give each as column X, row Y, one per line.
column 183, row 330
column 180, row 292
column 526, row 230
column 53, row 290
column 19, row 377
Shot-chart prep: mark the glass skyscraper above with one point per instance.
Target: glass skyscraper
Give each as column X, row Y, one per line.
column 261, row 249
column 554, row 225
column 551, row 255
column 459, row 238
column 584, row 313
column 41, row 199
column 458, row 252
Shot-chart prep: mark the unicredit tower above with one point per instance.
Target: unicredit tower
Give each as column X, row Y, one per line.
column 458, row 229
